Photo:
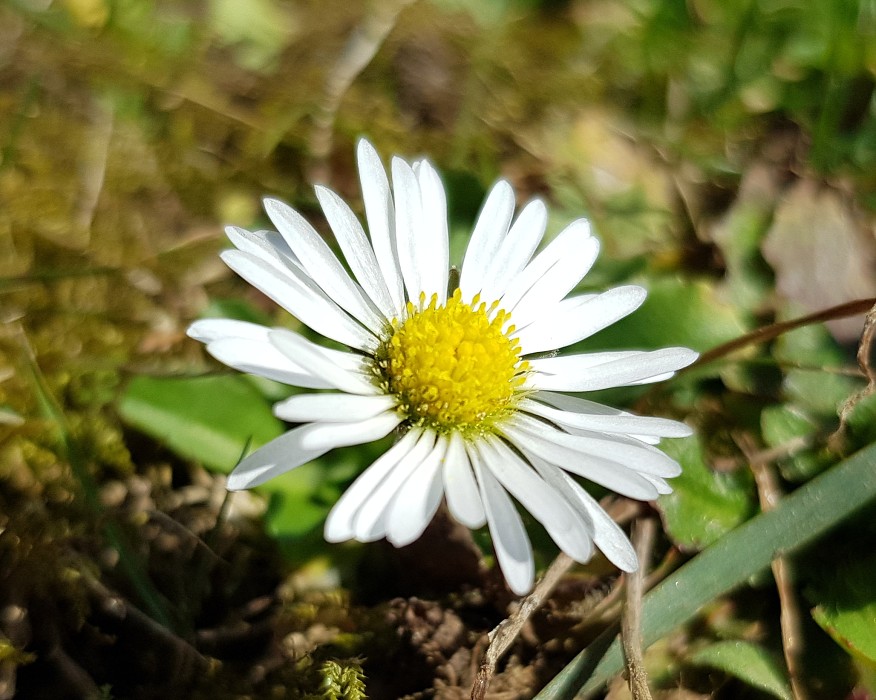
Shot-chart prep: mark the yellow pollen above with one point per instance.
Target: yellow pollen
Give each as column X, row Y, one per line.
column 453, row 367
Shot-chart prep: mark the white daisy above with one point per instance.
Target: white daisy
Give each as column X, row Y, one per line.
column 459, row 374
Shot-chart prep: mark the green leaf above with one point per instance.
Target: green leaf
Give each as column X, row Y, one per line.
column 861, row 421
column 813, row 388
column 748, row 662
column 704, row 505
column 846, row 607
column 293, row 511
column 799, row 518
column 300, row 499
column 781, row 426
column 208, row 419
column 739, row 235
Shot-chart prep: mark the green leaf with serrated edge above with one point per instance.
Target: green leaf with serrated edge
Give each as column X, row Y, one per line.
column 846, row 605
column 748, row 662
column 208, row 419
column 799, row 518
column 704, row 505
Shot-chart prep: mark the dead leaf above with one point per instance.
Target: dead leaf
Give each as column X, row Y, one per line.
column 822, row 252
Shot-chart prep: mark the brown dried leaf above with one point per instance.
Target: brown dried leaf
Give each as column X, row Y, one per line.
column 822, row 252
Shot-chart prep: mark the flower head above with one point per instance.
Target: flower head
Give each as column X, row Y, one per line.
column 458, row 373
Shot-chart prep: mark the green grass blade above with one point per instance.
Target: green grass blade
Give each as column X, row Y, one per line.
column 801, row 517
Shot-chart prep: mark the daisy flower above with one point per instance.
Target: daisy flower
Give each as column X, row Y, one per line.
column 467, row 377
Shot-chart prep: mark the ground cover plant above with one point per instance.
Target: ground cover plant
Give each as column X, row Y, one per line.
column 724, row 154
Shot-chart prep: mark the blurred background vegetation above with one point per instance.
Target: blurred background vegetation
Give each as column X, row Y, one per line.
column 726, row 154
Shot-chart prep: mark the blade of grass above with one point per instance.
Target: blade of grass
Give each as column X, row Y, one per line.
column 801, row 517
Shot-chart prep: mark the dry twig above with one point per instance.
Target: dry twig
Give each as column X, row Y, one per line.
column 865, row 352
column 631, row 623
column 502, row 637
column 769, row 494
column 774, row 330
column 360, row 49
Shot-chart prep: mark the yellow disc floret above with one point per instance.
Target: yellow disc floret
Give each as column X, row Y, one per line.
column 452, row 367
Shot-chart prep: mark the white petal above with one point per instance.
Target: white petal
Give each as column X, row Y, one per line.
column 606, row 472
column 369, row 522
column 627, row 424
column 607, row 535
column 319, row 363
column 515, row 250
column 269, row 246
column 591, row 408
column 357, row 250
column 408, row 218
column 246, row 347
column 280, row 455
column 575, row 319
column 577, row 404
column 316, row 311
column 546, row 503
column 339, row 524
column 573, row 251
column 381, row 220
column 592, row 371
column 562, row 278
column 261, row 358
column 646, row 442
column 521, row 481
column 460, row 487
column 660, row 484
column 622, row 449
column 433, row 252
column 652, row 380
column 510, row 541
column 415, row 503
column 317, row 435
column 332, row 408
column 489, row 231
column 209, row 329
column 322, row 265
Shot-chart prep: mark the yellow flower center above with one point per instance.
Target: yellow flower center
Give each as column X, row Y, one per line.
column 453, row 367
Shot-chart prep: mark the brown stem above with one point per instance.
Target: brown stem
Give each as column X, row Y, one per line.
column 361, row 47
column 631, row 622
column 502, row 637
column 769, row 494
column 774, row 330
column 865, row 351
